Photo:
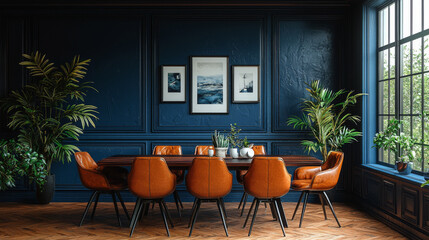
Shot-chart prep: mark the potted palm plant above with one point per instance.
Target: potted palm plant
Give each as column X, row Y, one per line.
column 220, row 143
column 399, row 143
column 49, row 110
column 326, row 117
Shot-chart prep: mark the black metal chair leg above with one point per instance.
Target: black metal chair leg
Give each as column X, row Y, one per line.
column 241, row 201
column 87, row 207
column 167, row 213
column 297, row 205
column 222, row 215
column 254, row 216
column 123, row 205
column 282, row 212
column 248, row 214
column 176, row 200
column 244, row 203
column 330, row 206
column 323, row 205
column 95, row 204
column 275, row 203
column 161, row 207
column 272, row 208
column 194, row 209
column 116, row 209
column 136, row 209
column 195, row 216
column 146, row 210
column 144, row 207
column 303, row 207
column 265, row 203
column 223, row 207
column 180, row 200
column 137, row 214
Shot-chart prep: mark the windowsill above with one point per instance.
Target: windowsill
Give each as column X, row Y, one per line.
column 411, row 178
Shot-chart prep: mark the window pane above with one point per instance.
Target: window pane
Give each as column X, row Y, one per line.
column 383, row 100
column 417, row 16
column 383, row 19
column 405, row 59
column 417, row 55
column 405, row 17
column 426, row 52
column 392, row 62
column 417, row 127
column 417, row 94
column 426, row 13
column 426, row 157
column 392, row 97
column 426, row 92
column 406, row 126
column 417, row 162
column 392, row 159
column 383, row 65
column 392, row 23
column 406, row 99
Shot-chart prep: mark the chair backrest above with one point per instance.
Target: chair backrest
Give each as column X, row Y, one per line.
column 334, row 159
column 203, row 150
column 208, row 178
column 331, row 169
column 150, row 178
column 85, row 161
column 167, row 150
column 259, row 150
column 267, row 177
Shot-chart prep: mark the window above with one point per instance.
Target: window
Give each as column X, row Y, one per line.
column 403, row 73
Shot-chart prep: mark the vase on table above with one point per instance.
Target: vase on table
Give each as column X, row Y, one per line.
column 234, row 152
column 220, row 152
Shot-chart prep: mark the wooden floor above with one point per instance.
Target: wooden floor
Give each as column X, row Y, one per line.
column 59, row 221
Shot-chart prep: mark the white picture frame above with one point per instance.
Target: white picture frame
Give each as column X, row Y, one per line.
column 209, row 85
column 173, row 84
column 246, row 84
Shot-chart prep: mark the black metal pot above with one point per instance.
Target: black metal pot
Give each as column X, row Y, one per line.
column 45, row 192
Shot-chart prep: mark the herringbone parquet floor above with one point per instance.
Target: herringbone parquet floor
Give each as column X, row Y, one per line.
column 60, row 221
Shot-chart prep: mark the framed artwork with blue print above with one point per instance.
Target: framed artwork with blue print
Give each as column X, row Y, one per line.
column 245, row 84
column 173, row 84
column 209, row 85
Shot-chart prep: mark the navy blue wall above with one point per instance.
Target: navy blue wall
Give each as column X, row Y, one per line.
column 127, row 47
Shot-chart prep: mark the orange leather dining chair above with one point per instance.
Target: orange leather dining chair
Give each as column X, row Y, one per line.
column 208, row 179
column 267, row 180
column 180, row 174
column 151, row 180
column 239, row 174
column 318, row 180
column 101, row 180
column 203, row 150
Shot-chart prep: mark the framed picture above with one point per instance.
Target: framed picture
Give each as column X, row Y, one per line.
column 246, row 84
column 209, row 87
column 173, row 88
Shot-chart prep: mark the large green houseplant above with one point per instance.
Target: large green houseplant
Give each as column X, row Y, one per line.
column 50, row 109
column 326, row 115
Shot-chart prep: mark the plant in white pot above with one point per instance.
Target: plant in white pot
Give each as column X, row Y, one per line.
column 220, row 143
column 235, row 140
column 50, row 110
column 399, row 143
column 247, row 151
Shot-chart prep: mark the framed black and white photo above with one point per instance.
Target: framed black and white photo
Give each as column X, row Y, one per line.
column 173, row 87
column 209, row 87
column 246, row 84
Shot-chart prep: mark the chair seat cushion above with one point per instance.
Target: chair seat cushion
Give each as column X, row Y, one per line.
column 301, row 184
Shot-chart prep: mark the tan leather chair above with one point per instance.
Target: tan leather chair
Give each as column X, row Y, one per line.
column 208, row 179
column 180, row 174
column 318, row 180
column 239, row 174
column 267, row 180
column 151, row 180
column 101, row 180
column 203, row 150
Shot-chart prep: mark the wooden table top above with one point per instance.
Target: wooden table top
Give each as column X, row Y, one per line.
column 185, row 161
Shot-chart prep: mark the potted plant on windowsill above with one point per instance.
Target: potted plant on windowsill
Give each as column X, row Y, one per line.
column 49, row 110
column 220, row 143
column 399, row 143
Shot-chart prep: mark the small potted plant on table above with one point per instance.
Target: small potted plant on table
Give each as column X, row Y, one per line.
column 235, row 141
column 399, row 143
column 220, row 143
column 247, row 150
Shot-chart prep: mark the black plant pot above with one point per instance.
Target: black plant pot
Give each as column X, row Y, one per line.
column 45, row 192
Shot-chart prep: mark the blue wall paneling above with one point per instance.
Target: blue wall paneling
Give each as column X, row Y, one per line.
column 127, row 48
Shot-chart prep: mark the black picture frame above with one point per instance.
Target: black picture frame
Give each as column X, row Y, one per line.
column 237, row 95
column 168, row 96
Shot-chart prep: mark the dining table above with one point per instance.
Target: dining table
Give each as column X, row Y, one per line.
column 185, row 161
